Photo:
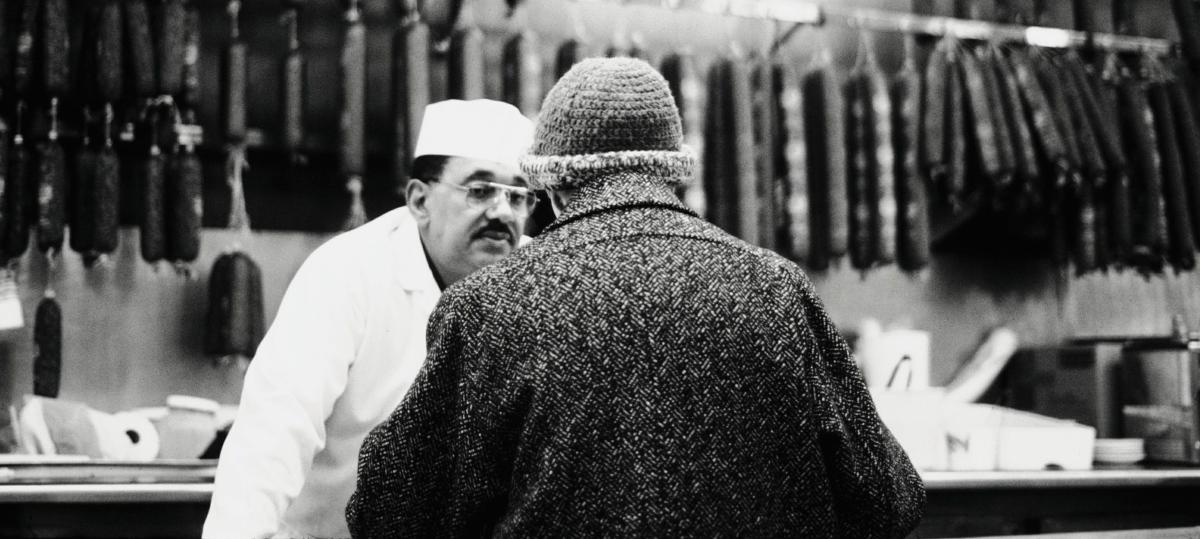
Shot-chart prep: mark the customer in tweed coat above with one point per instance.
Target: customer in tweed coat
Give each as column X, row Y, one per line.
column 634, row 371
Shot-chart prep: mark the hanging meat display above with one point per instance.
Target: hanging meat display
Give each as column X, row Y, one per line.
column 410, row 88
column 766, row 123
column 293, row 84
column 1188, row 133
column 467, row 64
column 825, row 127
column 171, row 46
column 1181, row 247
column 719, row 166
column 798, row 215
column 684, row 80
column 153, row 201
column 234, row 321
column 984, row 136
column 51, row 189
column 858, row 149
column 1119, row 208
column 183, row 196
column 521, row 72
column 569, row 52
column 1188, row 19
column 1148, row 209
column 744, row 155
column 912, row 249
column 47, row 342
column 1026, row 168
column 354, row 87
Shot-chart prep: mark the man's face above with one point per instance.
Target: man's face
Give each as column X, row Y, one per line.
column 461, row 231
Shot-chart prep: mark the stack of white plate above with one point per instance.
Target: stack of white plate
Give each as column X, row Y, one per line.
column 1120, row 450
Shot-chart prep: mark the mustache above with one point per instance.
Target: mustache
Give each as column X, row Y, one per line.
column 496, row 225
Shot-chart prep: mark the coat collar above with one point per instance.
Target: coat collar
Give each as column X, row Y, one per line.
column 618, row 191
column 410, row 266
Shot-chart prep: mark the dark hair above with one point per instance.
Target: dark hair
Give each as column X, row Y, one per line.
column 428, row 167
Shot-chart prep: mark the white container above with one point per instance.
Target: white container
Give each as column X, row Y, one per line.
column 939, row 434
column 188, row 428
column 987, row 437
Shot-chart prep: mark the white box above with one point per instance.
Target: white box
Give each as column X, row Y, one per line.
column 943, row 435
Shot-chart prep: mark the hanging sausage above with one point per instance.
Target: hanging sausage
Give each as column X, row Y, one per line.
column 855, row 103
column 183, row 194
column 354, row 80
column 912, row 249
column 568, row 54
column 764, row 139
column 140, row 47
column 17, row 192
column 746, row 178
column 189, row 96
column 719, row 166
column 684, row 80
column 983, row 133
column 1148, row 210
column 881, row 165
column 20, row 195
column 1188, row 133
column 234, row 321
column 825, row 128
column 522, row 73
column 410, row 87
column 1092, row 169
column 153, row 202
column 171, row 41
column 51, row 190
column 1026, row 168
column 1120, row 216
column 1181, row 245
column 47, row 343
column 467, row 63
column 934, row 122
column 795, row 153
column 1188, row 20
column 293, row 84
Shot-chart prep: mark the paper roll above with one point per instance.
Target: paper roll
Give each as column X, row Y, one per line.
column 142, row 436
column 125, row 436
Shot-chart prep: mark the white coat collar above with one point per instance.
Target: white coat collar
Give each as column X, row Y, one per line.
column 410, row 264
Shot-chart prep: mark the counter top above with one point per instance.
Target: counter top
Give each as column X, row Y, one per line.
column 175, row 487
column 1094, row 478
column 107, row 493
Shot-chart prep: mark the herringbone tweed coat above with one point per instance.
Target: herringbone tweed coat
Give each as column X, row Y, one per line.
column 636, row 372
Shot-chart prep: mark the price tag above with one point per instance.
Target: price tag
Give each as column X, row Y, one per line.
column 11, row 316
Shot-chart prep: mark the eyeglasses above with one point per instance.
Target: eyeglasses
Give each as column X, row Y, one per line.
column 487, row 194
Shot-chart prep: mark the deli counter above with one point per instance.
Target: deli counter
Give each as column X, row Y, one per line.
column 170, row 499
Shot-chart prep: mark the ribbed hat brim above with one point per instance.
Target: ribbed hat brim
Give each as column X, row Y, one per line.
column 568, row 171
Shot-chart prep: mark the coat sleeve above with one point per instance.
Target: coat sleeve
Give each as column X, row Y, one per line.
column 438, row 466
column 299, row 371
column 876, row 490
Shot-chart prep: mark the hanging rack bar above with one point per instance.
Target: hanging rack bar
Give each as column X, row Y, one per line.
column 787, row 11
column 807, row 13
column 1040, row 36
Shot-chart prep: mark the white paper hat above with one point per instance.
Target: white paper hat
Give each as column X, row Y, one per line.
column 479, row 129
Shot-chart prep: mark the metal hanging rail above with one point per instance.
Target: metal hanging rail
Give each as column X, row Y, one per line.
column 808, row 13
column 784, row 11
column 1039, row 36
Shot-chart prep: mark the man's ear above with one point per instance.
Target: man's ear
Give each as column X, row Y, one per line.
column 558, row 200
column 416, row 195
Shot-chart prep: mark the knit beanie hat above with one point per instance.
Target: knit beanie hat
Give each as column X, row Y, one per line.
column 607, row 116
